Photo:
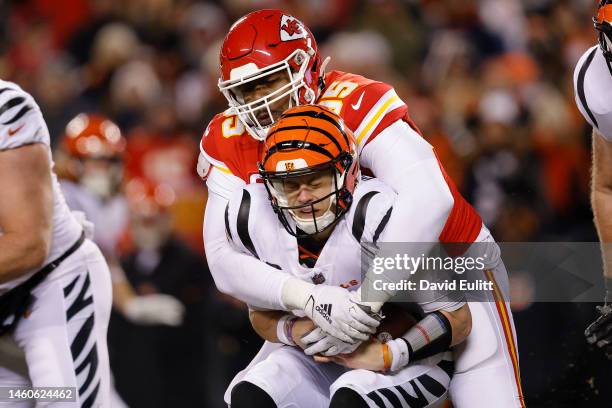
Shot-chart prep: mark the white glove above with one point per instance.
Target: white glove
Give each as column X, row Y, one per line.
column 319, row 342
column 155, row 309
column 333, row 309
column 88, row 226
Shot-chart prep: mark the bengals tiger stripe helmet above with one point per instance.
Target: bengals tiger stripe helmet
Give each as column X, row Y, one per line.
column 603, row 24
column 309, row 140
column 261, row 44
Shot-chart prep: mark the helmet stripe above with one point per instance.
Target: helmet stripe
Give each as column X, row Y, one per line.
column 322, row 131
column 296, row 144
column 319, row 115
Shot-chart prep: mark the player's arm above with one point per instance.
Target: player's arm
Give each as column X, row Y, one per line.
column 432, row 335
column 600, row 331
column 601, row 198
column 403, row 160
column 26, row 209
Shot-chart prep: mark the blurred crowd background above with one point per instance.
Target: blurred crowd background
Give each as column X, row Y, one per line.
column 488, row 82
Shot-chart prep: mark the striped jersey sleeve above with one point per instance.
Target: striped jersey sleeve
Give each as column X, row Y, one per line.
column 592, row 88
column 21, row 121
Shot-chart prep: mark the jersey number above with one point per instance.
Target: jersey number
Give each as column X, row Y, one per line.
column 335, row 93
column 231, row 126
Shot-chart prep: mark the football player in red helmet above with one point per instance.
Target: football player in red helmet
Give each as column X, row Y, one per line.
column 269, row 62
column 92, row 169
column 593, row 87
column 94, row 147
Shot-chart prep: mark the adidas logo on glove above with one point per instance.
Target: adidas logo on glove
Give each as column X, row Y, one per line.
column 325, row 311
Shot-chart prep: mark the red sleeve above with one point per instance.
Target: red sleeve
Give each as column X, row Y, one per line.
column 370, row 109
column 212, row 144
column 229, row 148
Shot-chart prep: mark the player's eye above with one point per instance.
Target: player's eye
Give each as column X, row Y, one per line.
column 291, row 186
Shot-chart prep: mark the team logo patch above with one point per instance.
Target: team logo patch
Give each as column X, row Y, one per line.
column 318, row 278
column 291, row 29
column 291, row 165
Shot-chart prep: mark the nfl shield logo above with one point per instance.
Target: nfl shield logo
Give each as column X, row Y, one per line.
column 318, row 278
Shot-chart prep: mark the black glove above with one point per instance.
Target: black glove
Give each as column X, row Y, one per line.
column 600, row 331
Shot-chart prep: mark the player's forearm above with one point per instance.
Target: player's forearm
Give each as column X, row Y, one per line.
column 601, row 197
column 602, row 209
column 19, row 254
column 265, row 323
column 245, row 277
column 430, row 336
column 241, row 276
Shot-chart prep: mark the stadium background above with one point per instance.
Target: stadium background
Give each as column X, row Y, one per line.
column 488, row 82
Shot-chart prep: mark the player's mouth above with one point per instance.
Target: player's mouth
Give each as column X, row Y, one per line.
column 309, row 212
column 265, row 119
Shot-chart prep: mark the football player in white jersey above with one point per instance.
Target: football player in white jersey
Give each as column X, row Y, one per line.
column 92, row 158
column 593, row 91
column 318, row 241
column 323, row 213
column 55, row 291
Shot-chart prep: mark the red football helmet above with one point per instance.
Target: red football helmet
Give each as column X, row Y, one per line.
column 603, row 24
column 89, row 135
column 94, row 147
column 264, row 43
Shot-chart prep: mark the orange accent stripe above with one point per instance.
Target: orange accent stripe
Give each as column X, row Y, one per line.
column 500, row 304
column 423, row 332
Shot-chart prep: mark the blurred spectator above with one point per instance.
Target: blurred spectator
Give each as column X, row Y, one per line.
column 159, row 365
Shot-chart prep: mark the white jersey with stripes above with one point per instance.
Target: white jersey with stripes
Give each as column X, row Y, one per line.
column 21, row 124
column 254, row 229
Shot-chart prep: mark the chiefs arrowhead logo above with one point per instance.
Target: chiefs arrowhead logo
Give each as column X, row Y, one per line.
column 291, row 29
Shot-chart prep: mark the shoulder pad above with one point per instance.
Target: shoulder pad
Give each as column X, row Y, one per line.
column 365, row 105
column 247, row 214
column 371, row 209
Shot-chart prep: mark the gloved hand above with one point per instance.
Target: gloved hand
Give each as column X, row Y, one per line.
column 334, row 310
column 155, row 309
column 319, row 342
column 331, row 308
